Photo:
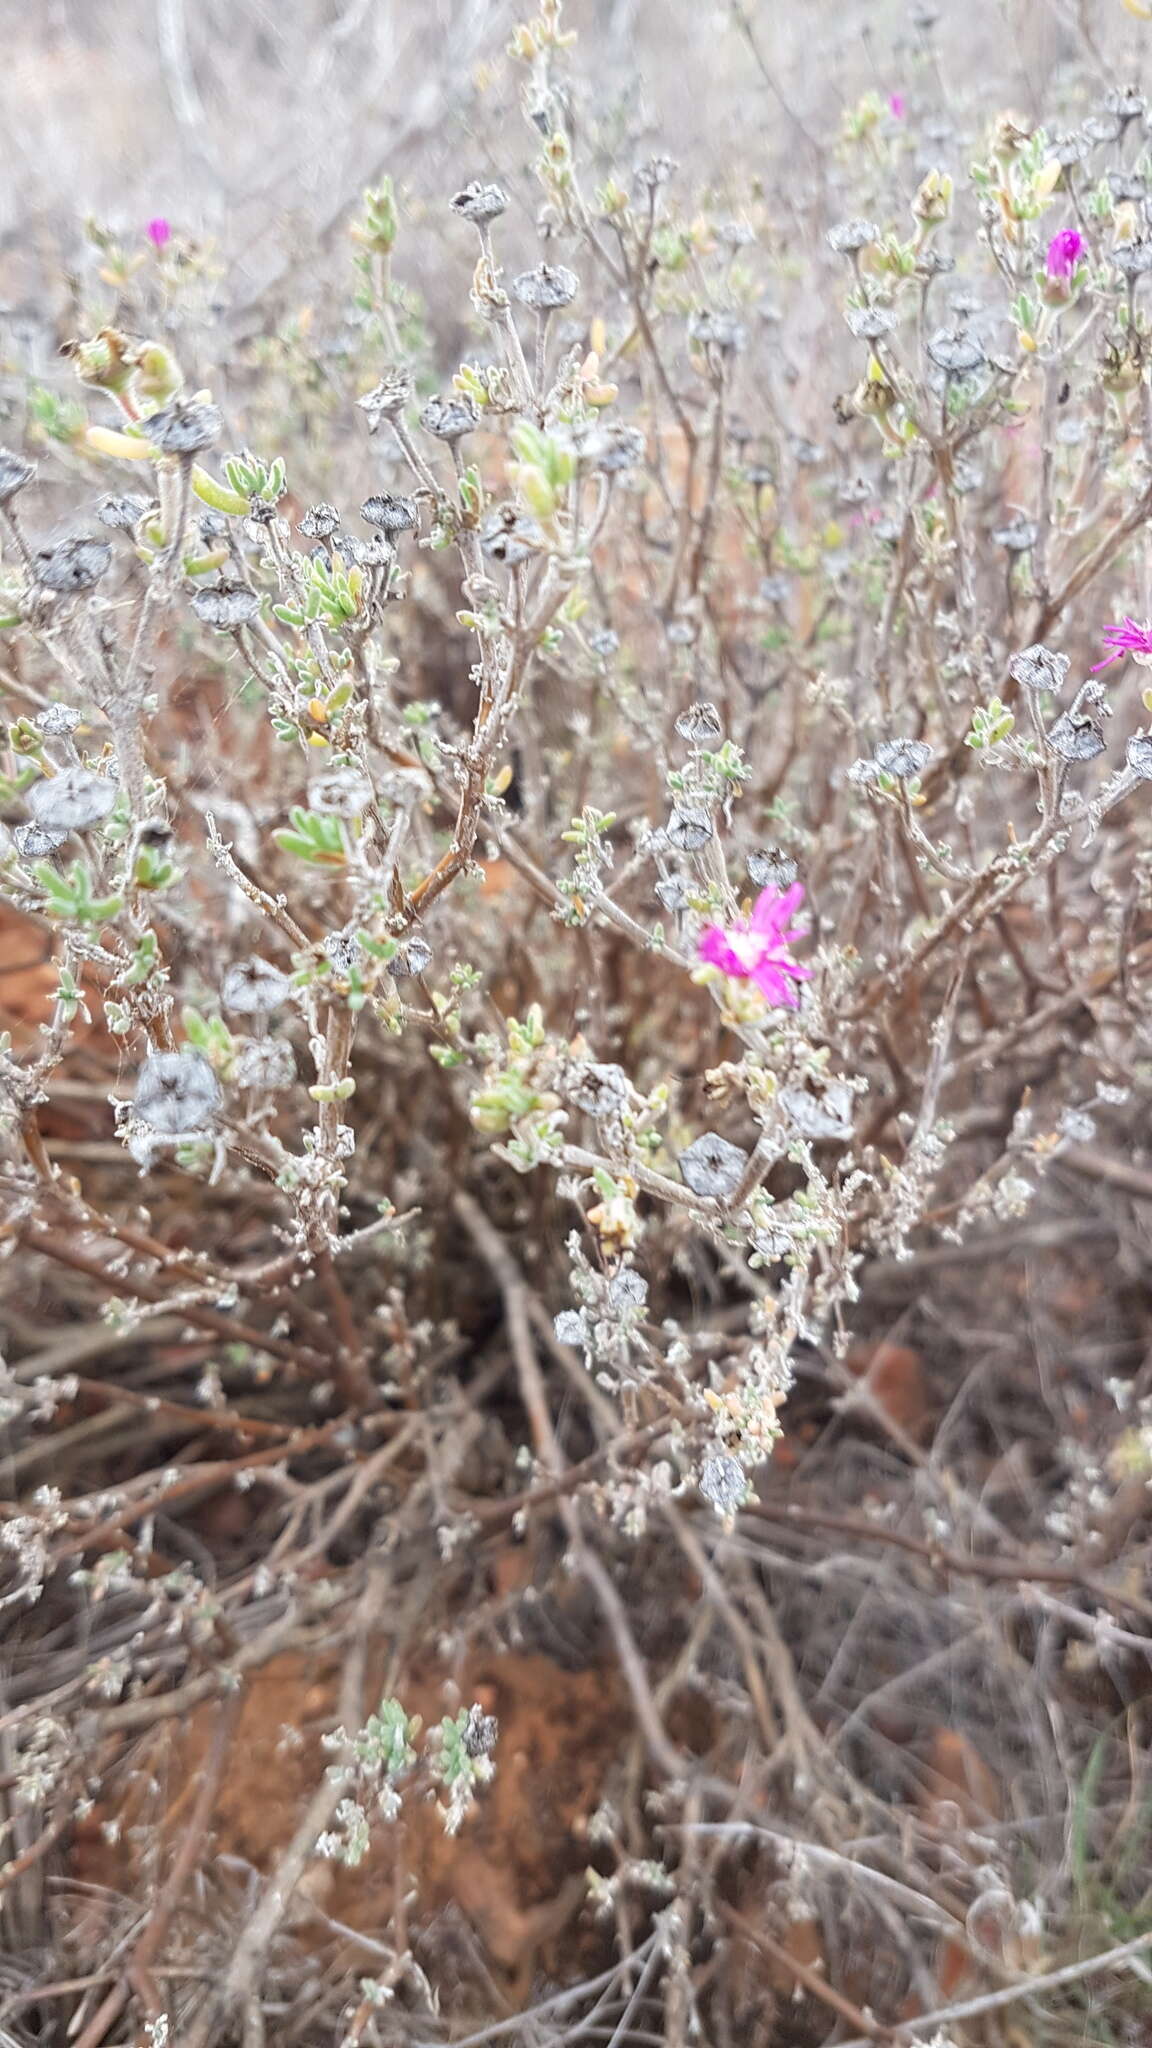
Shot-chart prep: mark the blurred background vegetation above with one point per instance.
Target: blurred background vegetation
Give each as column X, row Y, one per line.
column 257, row 124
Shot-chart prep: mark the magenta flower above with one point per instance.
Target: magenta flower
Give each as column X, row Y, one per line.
column 896, row 105
column 1064, row 252
column 758, row 950
column 1130, row 638
column 159, row 232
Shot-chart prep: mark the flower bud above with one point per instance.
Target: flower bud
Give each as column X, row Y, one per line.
column 933, row 202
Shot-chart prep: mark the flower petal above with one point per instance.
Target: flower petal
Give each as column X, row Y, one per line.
column 713, row 948
column 771, row 982
column 1129, row 638
column 772, row 911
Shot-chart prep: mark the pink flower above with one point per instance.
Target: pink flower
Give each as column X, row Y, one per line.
column 758, row 950
column 896, row 105
column 159, row 232
column 1064, row 252
column 1129, row 638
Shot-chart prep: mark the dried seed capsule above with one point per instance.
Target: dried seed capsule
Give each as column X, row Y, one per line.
column 387, row 399
column 58, row 718
column 124, row 512
column 868, row 323
column 771, row 868
column 689, row 829
column 176, row 1092
column 673, row 892
column 414, row 958
column 934, row 262
column 73, row 801
column 700, row 724
column 74, row 565
column 479, row 203
column 226, row 606
column 955, row 351
column 724, row 1485
column 362, row 554
column 611, row 447
column 850, row 236
column 654, row 172
column 1038, row 668
column 479, row 1733
column 627, row 1292
column 319, row 522
column 713, row 1167
column 253, row 987
column 184, row 427
column 1131, row 259
column 599, row 1088
column 343, row 951
column 1138, row 754
column 509, row 537
column 824, row 1115
column 902, row 758
column 546, row 288
column 449, row 418
column 265, row 1063
column 391, row 514
column 718, row 330
column 34, row 841
column 1075, row 737
column 14, row 474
